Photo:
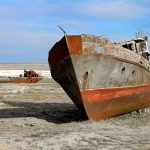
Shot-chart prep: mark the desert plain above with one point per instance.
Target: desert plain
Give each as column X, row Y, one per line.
column 41, row 116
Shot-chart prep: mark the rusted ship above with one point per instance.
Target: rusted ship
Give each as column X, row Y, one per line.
column 102, row 78
column 29, row 76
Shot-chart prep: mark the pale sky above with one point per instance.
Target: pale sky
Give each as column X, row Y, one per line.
column 28, row 28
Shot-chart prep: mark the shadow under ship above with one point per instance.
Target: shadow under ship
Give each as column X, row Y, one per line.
column 102, row 78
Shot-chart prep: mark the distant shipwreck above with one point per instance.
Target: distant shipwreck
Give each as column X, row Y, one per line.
column 102, row 78
column 29, row 76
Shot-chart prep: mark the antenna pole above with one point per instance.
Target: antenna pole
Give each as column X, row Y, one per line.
column 62, row 30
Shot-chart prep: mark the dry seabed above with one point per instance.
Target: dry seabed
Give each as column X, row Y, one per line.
column 41, row 117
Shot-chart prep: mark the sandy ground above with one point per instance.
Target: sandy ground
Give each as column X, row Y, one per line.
column 41, row 117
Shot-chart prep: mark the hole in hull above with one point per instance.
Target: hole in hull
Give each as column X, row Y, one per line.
column 133, row 72
column 123, row 69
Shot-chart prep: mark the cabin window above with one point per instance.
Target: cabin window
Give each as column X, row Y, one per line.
column 125, row 46
column 128, row 46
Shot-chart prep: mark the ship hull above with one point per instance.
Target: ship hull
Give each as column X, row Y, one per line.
column 105, row 103
column 100, row 85
column 20, row 80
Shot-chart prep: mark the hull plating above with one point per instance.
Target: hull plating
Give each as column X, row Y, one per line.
column 100, row 85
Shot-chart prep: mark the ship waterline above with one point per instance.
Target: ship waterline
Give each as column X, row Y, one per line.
column 101, row 78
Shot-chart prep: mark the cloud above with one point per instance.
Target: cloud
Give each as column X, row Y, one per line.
column 77, row 9
column 29, row 9
column 26, row 34
column 29, row 25
column 114, row 8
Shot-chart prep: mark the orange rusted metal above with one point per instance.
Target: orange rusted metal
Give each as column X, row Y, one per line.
column 75, row 44
column 108, row 102
column 98, row 95
column 21, row 80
